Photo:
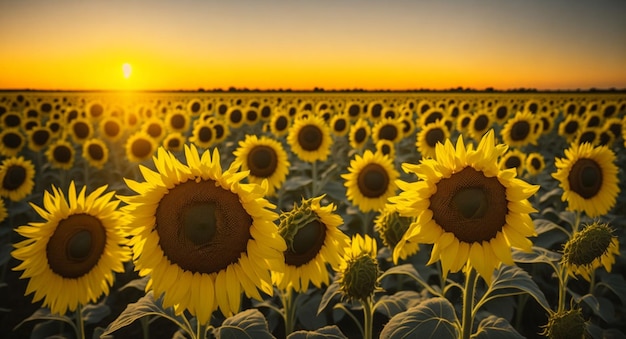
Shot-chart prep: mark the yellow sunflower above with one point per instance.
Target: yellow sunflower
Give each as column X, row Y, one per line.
column 569, row 127
column 174, row 142
column 518, row 131
column 203, row 135
column 16, row 178
column 11, row 120
column 359, row 134
column 71, row 257
column 265, row 158
column 588, row 176
column 80, row 130
column 11, row 142
column 471, row 211
column 432, row 115
column 340, row 124
column 513, row 158
column 480, row 124
column 391, row 227
column 535, row 163
column 235, row 117
column 430, row 136
column 279, row 124
column 96, row 152
column 61, row 154
column 501, row 112
column 95, row 110
column 201, row 234
column 386, row 148
column 140, row 146
column 155, row 128
column 310, row 139
column 463, row 122
column 370, row 181
column 358, row 269
column 195, row 107
column 39, row 138
column 313, row 239
column 587, row 135
column 588, row 249
column 177, row 121
column 387, row 128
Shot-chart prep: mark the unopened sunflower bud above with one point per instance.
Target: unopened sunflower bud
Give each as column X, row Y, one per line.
column 359, row 271
column 567, row 324
column 589, row 249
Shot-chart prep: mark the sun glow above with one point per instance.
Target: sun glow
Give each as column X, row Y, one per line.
column 127, row 69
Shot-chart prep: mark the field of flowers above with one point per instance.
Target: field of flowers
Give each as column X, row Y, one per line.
column 312, row 215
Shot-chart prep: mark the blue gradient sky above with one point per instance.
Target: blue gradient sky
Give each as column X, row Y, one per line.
column 302, row 44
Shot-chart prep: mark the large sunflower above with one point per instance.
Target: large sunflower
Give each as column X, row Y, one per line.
column 201, row 234
column 310, row 139
column 16, row 178
column 313, row 239
column 588, row 176
column 265, row 158
column 518, row 131
column 370, row 181
column 71, row 256
column 471, row 211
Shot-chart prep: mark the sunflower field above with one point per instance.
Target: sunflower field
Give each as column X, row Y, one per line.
column 312, row 215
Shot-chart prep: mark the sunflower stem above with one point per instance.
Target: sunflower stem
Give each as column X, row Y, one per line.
column 468, row 302
column 592, row 282
column 145, row 327
column 201, row 330
column 80, row 325
column 289, row 311
column 314, row 188
column 368, row 317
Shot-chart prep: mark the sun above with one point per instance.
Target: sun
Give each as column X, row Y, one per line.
column 127, row 69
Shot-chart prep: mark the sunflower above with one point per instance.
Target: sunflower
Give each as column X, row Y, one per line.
column 279, row 123
column 235, row 117
column 358, row 269
column 480, row 124
column 590, row 248
column 252, row 115
column 313, row 240
column 201, row 234
column 203, row 135
column 96, row 152
column 30, row 123
column 375, row 110
column 471, row 211
column 140, row 147
column 110, row 128
column 387, row 128
column 39, row 138
column 569, row 127
column 391, row 226
column 587, row 135
column 359, row 134
column 340, row 124
column 61, row 154
column 501, row 112
column 370, row 181
column 95, row 110
column 11, row 120
column 11, row 142
column 80, row 129
column 463, row 122
column 593, row 119
column 177, row 121
column 265, row 158
column 174, row 142
column 432, row 115
column 430, row 136
column 16, row 178
column 194, row 107
column 310, row 139
column 354, row 109
column 71, row 257
column 588, row 176
column 518, row 131
column 513, row 158
column 3, row 211
column 535, row 163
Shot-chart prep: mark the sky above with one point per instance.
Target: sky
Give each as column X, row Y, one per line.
column 191, row 44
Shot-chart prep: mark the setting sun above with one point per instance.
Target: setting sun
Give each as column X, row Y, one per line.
column 127, row 69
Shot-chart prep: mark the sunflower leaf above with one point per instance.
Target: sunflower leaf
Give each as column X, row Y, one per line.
column 45, row 314
column 247, row 324
column 495, row 327
column 296, row 183
column 512, row 280
column 94, row 313
column 145, row 306
column 329, row 332
column 538, row 255
column 329, row 294
column 616, row 284
column 390, row 305
column 408, row 269
column 434, row 316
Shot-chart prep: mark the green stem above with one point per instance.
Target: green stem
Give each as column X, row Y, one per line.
column 289, row 311
column 468, row 303
column 80, row 326
column 201, row 330
column 563, row 277
column 145, row 327
column 314, row 188
column 592, row 283
column 368, row 317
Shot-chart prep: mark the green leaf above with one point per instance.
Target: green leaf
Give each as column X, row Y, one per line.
column 408, row 269
column 545, row 225
column 390, row 305
column 296, row 183
column 247, row 324
column 553, row 194
column 335, row 190
column 494, row 327
column 44, row 314
column 512, row 280
column 94, row 313
column 615, row 283
column 538, row 255
column 434, row 317
column 331, row 291
column 306, row 310
column 139, row 284
column 599, row 306
column 329, row 332
column 145, row 306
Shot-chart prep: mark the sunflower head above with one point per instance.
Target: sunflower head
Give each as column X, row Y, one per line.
column 310, row 138
column 16, row 178
column 588, row 176
column 359, row 272
column 265, row 158
column 565, row 324
column 313, row 240
column 391, row 227
column 589, row 249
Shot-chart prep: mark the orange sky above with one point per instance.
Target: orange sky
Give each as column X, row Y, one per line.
column 171, row 45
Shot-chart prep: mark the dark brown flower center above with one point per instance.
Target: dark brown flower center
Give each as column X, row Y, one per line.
column 340, row 125
column 359, row 135
column 236, row 116
column 205, row 134
column 587, row 137
column 141, row 148
column 177, row 121
column 502, row 112
column 481, row 122
column 310, row 137
column 173, row 143
column 373, row 180
column 62, row 154
column 12, row 120
column 513, row 161
column 96, row 110
column 40, row 137
column 520, row 130
column 219, row 130
column 388, row 132
column 571, row 127
column 433, row 117
column 434, row 136
column 14, row 177
column 252, row 115
column 111, row 128
column 202, row 227
column 81, row 130
column 585, row 178
column 262, row 161
column 469, row 205
column 12, row 140
column 76, row 245
column 95, row 152
column 535, row 163
column 306, row 244
column 281, row 123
